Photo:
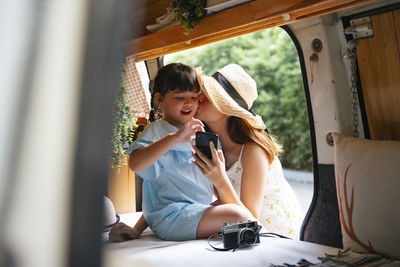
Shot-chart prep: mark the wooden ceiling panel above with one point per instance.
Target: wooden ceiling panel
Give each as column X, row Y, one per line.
column 249, row 17
column 145, row 13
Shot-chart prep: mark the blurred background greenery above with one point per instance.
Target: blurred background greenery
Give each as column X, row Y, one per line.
column 270, row 57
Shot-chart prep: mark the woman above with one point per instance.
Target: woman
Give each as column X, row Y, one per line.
column 248, row 171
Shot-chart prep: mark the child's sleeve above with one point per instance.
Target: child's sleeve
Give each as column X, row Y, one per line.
column 145, row 139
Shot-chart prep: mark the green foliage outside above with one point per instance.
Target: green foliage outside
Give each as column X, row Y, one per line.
column 270, row 57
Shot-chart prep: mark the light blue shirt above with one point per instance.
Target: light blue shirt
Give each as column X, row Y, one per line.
column 175, row 192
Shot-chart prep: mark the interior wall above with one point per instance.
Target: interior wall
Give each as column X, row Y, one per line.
column 328, row 80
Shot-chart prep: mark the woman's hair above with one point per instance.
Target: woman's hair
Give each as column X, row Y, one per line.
column 241, row 132
column 174, row 76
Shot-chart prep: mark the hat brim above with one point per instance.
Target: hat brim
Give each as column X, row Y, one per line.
column 222, row 100
column 224, row 103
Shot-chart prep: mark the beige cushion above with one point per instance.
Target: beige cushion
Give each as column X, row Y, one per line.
column 368, row 173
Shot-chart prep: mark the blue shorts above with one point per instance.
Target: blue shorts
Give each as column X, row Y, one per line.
column 182, row 224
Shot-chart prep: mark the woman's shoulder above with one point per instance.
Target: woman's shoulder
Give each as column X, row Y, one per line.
column 252, row 147
column 253, row 153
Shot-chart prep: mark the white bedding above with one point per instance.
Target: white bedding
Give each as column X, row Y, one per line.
column 152, row 251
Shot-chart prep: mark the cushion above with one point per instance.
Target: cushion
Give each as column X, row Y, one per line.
column 368, row 186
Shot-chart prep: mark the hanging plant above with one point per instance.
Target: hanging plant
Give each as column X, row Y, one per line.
column 188, row 12
column 123, row 123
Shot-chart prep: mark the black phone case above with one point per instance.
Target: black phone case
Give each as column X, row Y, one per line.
column 203, row 142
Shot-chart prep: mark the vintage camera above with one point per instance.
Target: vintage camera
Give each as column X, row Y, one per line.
column 240, row 234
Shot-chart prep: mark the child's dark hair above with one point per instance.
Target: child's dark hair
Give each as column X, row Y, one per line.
column 174, row 76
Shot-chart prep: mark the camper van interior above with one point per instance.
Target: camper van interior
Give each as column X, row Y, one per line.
column 60, row 65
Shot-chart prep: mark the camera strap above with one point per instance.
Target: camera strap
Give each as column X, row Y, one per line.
column 214, row 236
column 274, row 235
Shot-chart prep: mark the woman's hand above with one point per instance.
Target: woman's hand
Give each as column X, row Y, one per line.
column 122, row 232
column 213, row 169
column 188, row 131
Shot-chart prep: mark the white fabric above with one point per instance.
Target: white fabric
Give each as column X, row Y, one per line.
column 151, row 251
column 368, row 174
column 281, row 212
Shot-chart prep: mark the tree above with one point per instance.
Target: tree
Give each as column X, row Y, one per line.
column 270, row 57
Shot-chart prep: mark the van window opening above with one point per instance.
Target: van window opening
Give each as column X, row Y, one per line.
column 144, row 77
column 270, row 57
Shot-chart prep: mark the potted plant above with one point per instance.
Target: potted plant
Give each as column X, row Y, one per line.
column 123, row 123
column 188, row 12
column 121, row 186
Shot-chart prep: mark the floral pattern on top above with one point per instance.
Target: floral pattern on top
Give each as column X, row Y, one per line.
column 281, row 212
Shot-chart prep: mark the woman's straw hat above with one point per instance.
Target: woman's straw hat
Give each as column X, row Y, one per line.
column 232, row 91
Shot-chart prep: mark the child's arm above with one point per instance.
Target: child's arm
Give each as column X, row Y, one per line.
column 122, row 232
column 143, row 158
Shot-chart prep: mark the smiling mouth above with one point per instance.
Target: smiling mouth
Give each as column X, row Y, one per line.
column 186, row 112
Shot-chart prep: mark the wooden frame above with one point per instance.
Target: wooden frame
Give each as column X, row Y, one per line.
column 122, row 190
column 246, row 18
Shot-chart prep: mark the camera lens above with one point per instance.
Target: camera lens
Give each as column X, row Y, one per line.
column 246, row 236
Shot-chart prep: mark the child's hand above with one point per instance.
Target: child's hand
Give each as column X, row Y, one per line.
column 122, row 232
column 187, row 132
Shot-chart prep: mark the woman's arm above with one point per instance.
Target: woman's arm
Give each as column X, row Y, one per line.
column 255, row 170
column 143, row 158
column 218, row 200
column 255, row 167
column 214, row 170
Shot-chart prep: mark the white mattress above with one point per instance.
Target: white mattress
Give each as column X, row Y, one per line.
column 152, row 251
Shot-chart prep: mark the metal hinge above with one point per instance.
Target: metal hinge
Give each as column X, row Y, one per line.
column 360, row 28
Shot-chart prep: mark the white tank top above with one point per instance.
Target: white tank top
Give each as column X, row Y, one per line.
column 281, row 212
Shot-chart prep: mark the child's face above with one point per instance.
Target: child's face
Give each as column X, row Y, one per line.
column 178, row 106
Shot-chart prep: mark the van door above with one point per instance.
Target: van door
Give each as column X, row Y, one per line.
column 378, row 60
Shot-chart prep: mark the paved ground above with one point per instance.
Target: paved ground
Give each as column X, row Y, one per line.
column 302, row 184
column 304, row 192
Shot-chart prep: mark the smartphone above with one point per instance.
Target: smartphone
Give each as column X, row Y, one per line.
column 203, row 142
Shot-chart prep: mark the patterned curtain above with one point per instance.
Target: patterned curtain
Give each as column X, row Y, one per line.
column 137, row 98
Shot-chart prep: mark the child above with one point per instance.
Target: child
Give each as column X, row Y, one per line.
column 176, row 196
